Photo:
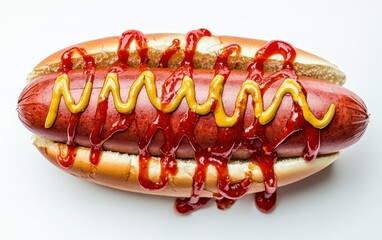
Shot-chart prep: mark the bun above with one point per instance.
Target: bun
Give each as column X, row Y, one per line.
column 120, row 170
column 305, row 64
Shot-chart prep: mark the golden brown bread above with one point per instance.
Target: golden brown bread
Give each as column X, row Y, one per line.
column 104, row 52
column 120, row 171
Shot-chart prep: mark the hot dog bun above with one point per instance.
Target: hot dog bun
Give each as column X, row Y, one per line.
column 104, row 52
column 120, row 170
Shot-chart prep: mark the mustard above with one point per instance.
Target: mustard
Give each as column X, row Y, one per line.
column 187, row 91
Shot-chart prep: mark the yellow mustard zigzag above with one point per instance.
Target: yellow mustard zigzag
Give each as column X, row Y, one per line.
column 187, row 90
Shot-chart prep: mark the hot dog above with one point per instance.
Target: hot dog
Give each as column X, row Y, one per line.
column 195, row 116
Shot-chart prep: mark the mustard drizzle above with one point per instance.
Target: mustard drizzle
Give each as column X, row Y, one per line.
column 187, row 90
column 61, row 88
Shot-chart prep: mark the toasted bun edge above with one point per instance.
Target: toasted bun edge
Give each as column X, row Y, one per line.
column 121, row 170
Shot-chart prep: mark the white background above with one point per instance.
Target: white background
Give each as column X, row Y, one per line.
column 39, row 201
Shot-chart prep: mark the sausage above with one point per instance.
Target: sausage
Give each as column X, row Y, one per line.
column 346, row 128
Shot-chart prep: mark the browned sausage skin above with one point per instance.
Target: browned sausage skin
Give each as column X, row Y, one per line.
column 350, row 112
column 213, row 116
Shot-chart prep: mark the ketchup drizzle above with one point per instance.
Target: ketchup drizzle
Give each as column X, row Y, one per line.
column 124, row 44
column 169, row 52
column 217, row 156
column 98, row 136
column 163, row 120
column 252, row 138
column 67, row 160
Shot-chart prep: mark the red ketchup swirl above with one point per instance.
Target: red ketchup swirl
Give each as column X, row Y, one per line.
column 228, row 139
column 67, row 159
column 98, row 136
column 162, row 120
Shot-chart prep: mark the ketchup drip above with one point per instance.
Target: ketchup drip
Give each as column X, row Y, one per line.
column 192, row 40
column 98, row 136
column 252, row 138
column 163, row 120
column 170, row 51
column 265, row 156
column 217, row 156
column 228, row 141
column 67, row 160
column 167, row 160
column 124, row 44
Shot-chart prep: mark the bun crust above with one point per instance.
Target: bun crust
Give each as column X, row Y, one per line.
column 120, row 171
column 104, row 52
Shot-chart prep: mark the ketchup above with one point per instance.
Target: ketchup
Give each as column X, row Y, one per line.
column 66, row 160
column 170, row 51
column 229, row 138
